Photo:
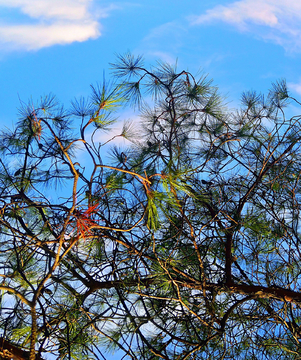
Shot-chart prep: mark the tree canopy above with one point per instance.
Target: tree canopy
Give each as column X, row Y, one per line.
column 183, row 245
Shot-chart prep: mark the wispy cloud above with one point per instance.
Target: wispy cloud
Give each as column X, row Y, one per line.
column 295, row 87
column 274, row 20
column 49, row 22
column 164, row 41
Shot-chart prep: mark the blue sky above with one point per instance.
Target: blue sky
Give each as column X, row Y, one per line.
column 62, row 46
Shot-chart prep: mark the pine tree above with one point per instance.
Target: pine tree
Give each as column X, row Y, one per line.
column 182, row 245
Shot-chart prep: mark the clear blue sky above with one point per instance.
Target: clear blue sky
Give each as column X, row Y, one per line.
column 62, row 46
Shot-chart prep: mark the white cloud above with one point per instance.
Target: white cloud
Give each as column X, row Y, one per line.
column 49, row 22
column 56, row 9
column 33, row 37
column 274, row 20
column 295, row 87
